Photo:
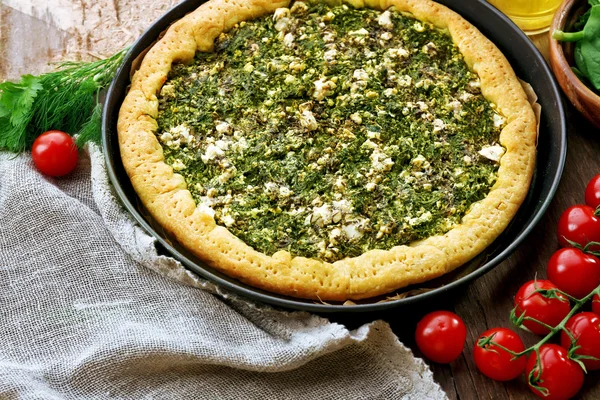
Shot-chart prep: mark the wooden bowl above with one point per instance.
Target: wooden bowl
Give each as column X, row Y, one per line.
column 561, row 60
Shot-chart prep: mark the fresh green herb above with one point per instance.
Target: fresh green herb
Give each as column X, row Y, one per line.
column 66, row 100
column 587, row 48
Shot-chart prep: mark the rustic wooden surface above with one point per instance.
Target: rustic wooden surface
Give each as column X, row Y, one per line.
column 27, row 44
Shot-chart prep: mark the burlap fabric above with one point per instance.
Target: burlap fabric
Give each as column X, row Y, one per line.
column 88, row 310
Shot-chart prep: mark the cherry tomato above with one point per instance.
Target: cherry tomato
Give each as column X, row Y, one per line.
column 560, row 376
column 534, row 305
column 54, row 153
column 495, row 362
column 574, row 272
column 592, row 192
column 596, row 304
column 441, row 336
column 579, row 224
column 585, row 328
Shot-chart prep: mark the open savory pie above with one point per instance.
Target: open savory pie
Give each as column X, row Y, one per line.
column 325, row 150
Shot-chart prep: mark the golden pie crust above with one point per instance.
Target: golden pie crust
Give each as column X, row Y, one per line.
column 376, row 272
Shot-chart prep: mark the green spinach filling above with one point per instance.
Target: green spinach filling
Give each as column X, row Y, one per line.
column 328, row 132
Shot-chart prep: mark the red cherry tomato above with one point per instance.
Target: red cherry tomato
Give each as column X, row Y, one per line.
column 585, row 328
column 441, row 336
column 574, row 272
column 579, row 224
column 561, row 378
column 592, row 192
column 596, row 304
column 54, row 153
column 534, row 305
column 495, row 362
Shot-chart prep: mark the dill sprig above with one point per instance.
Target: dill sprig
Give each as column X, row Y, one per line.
column 66, row 100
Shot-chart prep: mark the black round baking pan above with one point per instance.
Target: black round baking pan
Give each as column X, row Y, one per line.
column 552, row 147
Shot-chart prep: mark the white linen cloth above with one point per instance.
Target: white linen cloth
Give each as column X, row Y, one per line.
column 89, row 310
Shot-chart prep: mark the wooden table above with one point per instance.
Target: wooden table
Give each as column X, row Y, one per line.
column 28, row 44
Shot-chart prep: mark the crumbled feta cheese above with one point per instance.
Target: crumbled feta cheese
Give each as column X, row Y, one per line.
column 438, row 125
column 299, row 7
column 360, row 75
column 340, row 183
column 240, row 144
column 360, row 32
column 356, row 86
column 203, row 208
column 178, row 165
column 352, row 231
column 224, row 127
column 369, row 144
column 455, row 105
column 356, row 118
column 498, row 121
column 468, row 160
column 335, row 235
column 228, row 220
column 179, row 134
column 430, row 48
column 288, row 40
column 296, row 66
column 227, row 175
column 380, row 161
column 398, row 53
column 323, row 89
column 475, row 84
column 285, row 192
column 384, row 230
column 323, row 159
column 425, row 217
column 465, row 96
column 168, row 91
column 370, row 54
column 329, row 37
column 419, row 161
column 222, row 144
column 271, row 187
column 387, row 36
column 422, row 106
column 321, row 216
column 166, row 138
column 385, row 20
column 373, row 135
column 211, row 153
column 343, row 205
column 308, row 120
column 281, row 13
column 405, row 81
column 329, row 55
column 211, row 193
column 390, row 92
column 419, row 27
column 329, row 16
column 493, row 153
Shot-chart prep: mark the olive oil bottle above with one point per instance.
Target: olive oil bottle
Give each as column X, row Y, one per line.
column 532, row 16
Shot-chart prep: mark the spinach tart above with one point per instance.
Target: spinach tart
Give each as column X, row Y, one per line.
column 328, row 150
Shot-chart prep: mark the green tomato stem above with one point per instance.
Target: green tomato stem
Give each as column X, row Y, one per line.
column 567, row 36
column 553, row 330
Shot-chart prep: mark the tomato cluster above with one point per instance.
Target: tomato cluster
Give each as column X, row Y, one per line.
column 544, row 307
